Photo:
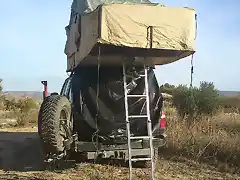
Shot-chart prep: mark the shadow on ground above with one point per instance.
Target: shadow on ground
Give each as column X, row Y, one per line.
column 20, row 151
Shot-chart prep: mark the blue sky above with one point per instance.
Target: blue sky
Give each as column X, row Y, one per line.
column 32, row 40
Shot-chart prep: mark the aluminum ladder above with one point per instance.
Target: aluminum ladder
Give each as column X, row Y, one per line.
column 145, row 117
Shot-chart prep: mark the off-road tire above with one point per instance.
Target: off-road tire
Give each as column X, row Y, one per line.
column 49, row 122
column 155, row 158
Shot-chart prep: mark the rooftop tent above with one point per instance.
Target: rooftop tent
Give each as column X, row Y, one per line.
column 132, row 30
column 81, row 7
column 85, row 6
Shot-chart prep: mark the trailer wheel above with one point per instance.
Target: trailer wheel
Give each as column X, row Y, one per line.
column 155, row 158
column 54, row 123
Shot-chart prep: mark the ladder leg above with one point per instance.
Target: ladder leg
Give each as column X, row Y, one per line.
column 149, row 123
column 127, row 123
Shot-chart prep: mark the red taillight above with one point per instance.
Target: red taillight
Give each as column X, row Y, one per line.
column 163, row 121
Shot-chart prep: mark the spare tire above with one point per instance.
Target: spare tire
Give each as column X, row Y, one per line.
column 54, row 112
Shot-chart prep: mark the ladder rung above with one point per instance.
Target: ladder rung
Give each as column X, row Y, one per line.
column 140, row 137
column 140, row 159
column 138, row 116
column 133, row 95
column 142, row 75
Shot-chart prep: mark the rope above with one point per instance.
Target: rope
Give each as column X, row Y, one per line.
column 191, row 84
column 191, row 81
column 97, row 106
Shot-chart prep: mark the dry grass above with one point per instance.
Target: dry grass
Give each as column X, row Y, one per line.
column 215, row 140
column 167, row 170
column 18, row 119
column 207, row 139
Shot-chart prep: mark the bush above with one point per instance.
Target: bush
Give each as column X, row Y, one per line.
column 29, row 117
column 25, row 110
column 9, row 104
column 2, row 107
column 1, row 88
column 1, row 96
column 207, row 99
column 183, row 101
column 167, row 88
column 28, row 111
column 196, row 101
column 25, row 105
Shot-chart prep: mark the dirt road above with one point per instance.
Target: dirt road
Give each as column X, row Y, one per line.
column 20, row 150
column 21, row 158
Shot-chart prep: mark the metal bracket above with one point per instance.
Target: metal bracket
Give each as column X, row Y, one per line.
column 53, row 160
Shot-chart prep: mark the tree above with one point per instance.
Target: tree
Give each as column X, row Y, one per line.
column 167, row 88
column 25, row 105
column 207, row 98
column 1, row 88
column 1, row 96
column 184, row 100
column 196, row 101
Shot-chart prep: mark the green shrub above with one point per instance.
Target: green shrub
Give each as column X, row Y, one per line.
column 1, row 88
column 25, row 111
column 10, row 104
column 196, row 101
column 2, row 107
column 1, row 96
column 167, row 88
column 184, row 100
column 25, row 105
column 29, row 117
column 207, row 99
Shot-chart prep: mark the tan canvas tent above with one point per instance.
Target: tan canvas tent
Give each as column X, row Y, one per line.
column 141, row 32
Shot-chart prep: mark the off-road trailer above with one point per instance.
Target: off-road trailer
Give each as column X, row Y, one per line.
column 64, row 132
